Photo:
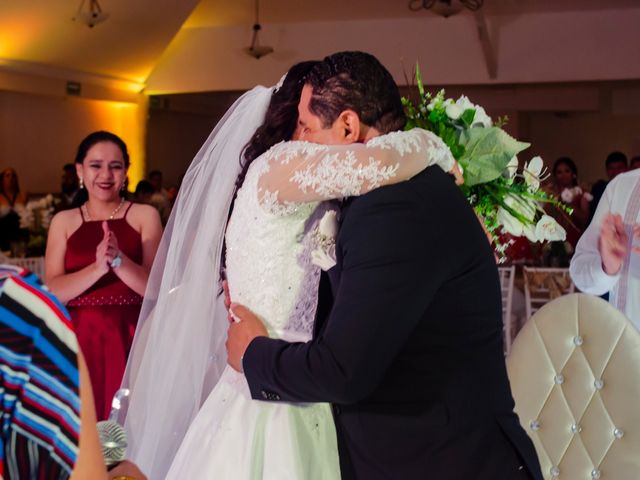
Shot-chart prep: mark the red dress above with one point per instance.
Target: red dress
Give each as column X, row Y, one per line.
column 105, row 315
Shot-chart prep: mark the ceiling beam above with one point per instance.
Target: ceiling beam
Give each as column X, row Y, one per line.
column 485, row 41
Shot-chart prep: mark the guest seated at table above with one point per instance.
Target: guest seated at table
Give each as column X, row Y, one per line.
column 49, row 424
column 70, row 193
column 98, row 260
column 144, row 192
column 11, row 198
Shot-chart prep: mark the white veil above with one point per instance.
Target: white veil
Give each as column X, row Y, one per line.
column 178, row 352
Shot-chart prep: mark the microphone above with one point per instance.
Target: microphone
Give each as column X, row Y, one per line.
column 113, row 440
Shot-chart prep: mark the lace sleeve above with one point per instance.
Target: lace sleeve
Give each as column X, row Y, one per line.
column 299, row 172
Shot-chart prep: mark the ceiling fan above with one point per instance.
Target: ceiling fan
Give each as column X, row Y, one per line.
column 92, row 15
column 256, row 50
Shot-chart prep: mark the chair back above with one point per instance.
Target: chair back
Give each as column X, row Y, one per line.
column 574, row 370
column 33, row 264
column 507, row 274
column 541, row 285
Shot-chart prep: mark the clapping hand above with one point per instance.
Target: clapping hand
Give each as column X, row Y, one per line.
column 614, row 243
column 107, row 249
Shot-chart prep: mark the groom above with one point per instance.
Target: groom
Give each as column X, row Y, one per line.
column 411, row 354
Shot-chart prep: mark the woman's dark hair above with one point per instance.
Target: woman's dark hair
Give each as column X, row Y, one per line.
column 281, row 117
column 91, row 140
column 570, row 164
column 101, row 136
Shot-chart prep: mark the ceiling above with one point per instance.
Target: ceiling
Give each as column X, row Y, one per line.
column 236, row 12
column 128, row 45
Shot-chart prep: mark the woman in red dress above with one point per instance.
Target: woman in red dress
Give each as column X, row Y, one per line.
column 98, row 260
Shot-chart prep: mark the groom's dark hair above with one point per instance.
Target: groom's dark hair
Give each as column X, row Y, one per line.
column 356, row 81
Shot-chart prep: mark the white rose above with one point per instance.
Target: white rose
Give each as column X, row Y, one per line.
column 532, row 171
column 588, row 197
column 481, row 118
column 548, row 229
column 49, row 198
column 328, row 226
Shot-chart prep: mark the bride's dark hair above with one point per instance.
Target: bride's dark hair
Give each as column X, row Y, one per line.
column 281, row 117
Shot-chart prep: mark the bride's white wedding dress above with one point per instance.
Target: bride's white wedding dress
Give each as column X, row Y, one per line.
column 270, row 237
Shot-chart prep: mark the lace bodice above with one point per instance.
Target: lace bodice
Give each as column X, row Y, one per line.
column 271, row 233
column 269, row 265
column 295, row 172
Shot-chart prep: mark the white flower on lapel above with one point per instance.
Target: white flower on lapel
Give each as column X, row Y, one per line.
column 328, row 226
column 324, row 255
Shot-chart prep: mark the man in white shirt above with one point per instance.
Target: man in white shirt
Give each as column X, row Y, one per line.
column 605, row 259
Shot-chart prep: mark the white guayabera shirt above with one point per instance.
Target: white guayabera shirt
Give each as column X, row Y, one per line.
column 621, row 197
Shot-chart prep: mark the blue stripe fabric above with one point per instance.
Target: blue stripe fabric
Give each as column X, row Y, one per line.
column 39, row 381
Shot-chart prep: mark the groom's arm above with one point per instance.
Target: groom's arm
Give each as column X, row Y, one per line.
column 391, row 270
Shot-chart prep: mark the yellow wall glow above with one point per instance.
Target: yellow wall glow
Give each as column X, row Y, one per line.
column 128, row 121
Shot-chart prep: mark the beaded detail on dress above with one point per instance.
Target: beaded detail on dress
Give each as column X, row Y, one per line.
column 94, row 301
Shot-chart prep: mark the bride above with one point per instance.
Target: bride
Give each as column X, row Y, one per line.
column 178, row 358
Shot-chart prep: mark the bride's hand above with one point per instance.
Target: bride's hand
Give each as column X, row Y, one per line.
column 456, row 171
column 241, row 333
column 227, row 299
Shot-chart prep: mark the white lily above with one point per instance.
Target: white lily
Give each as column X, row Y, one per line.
column 510, row 224
column 530, row 232
column 532, row 172
column 524, row 207
column 511, row 169
column 548, row 229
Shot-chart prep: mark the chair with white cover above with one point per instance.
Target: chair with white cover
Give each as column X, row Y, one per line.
column 33, row 264
column 541, row 285
column 507, row 275
column 574, row 370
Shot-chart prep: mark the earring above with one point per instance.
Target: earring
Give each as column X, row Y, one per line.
column 81, row 183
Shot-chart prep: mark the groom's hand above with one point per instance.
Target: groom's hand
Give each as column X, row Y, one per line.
column 245, row 327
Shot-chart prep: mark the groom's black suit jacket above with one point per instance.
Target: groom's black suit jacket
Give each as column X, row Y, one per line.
column 411, row 355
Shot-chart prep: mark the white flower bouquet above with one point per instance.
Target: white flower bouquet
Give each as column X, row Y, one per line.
column 508, row 199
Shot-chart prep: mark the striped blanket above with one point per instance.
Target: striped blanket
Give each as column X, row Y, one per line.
column 39, row 381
